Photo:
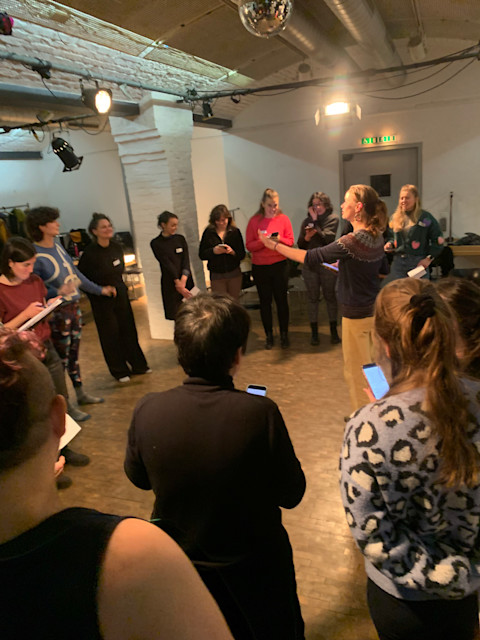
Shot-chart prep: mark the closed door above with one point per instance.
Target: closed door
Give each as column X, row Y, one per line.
column 387, row 170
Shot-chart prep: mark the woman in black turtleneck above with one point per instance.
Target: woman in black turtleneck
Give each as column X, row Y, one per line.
column 114, row 318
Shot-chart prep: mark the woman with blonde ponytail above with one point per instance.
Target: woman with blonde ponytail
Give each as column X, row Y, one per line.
column 410, row 474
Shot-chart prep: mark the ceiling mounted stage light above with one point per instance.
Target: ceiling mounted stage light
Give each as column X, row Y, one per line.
column 66, row 154
column 98, row 99
column 265, row 18
column 207, row 109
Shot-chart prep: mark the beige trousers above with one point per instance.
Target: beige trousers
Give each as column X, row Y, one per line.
column 357, row 346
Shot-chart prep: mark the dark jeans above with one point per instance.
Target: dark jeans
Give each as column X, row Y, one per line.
column 397, row 619
column 316, row 281
column 272, row 282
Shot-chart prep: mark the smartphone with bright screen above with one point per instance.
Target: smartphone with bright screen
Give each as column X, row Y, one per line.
column 257, row 389
column 332, row 267
column 376, row 380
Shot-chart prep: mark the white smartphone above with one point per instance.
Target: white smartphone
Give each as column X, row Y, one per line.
column 257, row 389
column 376, row 380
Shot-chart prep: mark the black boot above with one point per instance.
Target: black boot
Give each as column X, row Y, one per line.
column 269, row 340
column 334, row 337
column 314, row 341
column 284, row 341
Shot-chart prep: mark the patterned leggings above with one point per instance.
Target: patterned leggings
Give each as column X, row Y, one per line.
column 66, row 326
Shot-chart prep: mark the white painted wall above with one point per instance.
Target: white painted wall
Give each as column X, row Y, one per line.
column 275, row 143
column 96, row 186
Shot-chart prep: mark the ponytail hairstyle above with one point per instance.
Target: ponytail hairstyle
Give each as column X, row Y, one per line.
column 268, row 193
column 401, row 220
column 464, row 298
column 416, row 325
column 221, row 211
column 96, row 217
column 374, row 212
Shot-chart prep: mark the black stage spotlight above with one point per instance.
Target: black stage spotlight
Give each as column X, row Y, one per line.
column 6, row 24
column 207, row 109
column 66, row 154
column 98, row 99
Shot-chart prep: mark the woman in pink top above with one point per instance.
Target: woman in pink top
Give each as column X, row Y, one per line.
column 270, row 268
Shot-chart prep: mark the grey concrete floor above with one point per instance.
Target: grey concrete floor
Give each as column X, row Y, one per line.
column 307, row 384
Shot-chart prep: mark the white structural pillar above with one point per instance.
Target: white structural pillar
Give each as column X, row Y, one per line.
column 155, row 151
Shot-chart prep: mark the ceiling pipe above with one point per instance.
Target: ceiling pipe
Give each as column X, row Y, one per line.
column 364, row 22
column 304, row 33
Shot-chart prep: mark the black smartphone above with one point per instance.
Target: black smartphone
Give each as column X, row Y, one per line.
column 376, row 380
column 257, row 389
column 274, row 234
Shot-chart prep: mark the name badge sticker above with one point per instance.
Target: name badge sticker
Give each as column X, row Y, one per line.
column 179, row 250
column 116, row 262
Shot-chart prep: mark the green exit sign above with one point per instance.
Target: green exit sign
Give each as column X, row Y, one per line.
column 378, row 139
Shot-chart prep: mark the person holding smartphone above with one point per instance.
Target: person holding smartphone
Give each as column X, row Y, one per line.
column 270, row 268
column 221, row 465
column 410, row 471
column 361, row 260
column 222, row 245
column 317, row 230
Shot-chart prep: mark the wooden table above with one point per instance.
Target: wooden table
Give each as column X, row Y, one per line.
column 467, row 256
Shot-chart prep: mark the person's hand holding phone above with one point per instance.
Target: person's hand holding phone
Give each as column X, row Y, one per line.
column 219, row 249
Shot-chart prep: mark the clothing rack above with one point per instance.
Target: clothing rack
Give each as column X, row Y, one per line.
column 15, row 206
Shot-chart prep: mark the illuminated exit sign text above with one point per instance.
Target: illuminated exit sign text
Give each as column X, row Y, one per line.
column 378, row 139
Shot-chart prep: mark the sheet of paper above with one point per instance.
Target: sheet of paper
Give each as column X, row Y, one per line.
column 194, row 290
column 41, row 315
column 71, row 430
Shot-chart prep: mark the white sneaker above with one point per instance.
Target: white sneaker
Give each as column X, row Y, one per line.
column 124, row 379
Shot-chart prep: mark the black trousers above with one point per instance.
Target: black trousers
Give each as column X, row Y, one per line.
column 118, row 334
column 272, row 282
column 397, row 619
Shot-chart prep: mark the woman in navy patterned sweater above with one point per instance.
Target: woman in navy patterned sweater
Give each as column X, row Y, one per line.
column 409, row 475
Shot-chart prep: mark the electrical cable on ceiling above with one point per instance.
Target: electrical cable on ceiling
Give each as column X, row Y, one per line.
column 413, row 95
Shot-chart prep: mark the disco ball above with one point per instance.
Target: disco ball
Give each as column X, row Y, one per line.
column 265, row 18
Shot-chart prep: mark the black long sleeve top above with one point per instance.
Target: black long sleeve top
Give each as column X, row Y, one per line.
column 220, row 463
column 104, row 265
column 172, row 254
column 326, row 227
column 221, row 263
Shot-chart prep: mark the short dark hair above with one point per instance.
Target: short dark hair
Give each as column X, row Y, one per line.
column 16, row 250
column 26, row 394
column 164, row 217
column 36, row 218
column 209, row 330
column 96, row 217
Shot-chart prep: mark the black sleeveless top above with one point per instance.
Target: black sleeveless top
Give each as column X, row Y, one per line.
column 49, row 577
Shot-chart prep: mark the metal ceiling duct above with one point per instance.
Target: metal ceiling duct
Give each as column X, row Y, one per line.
column 303, row 32
column 364, row 22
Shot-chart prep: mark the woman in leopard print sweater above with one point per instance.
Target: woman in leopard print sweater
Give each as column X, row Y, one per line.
column 409, row 475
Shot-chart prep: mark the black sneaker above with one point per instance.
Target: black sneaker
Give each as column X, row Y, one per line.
column 74, row 458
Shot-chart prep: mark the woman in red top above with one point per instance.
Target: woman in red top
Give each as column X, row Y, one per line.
column 22, row 296
column 269, row 268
